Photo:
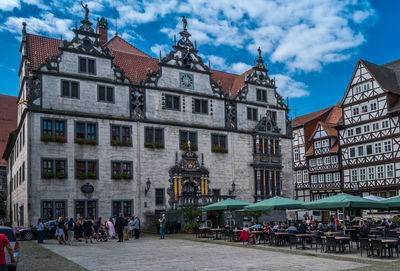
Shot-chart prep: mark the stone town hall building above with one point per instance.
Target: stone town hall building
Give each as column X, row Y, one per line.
column 104, row 128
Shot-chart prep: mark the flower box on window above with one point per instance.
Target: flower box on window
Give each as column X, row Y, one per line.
column 121, row 143
column 185, row 147
column 219, row 149
column 91, row 175
column 86, row 141
column 60, row 175
column 48, row 175
column 49, row 138
column 157, row 145
column 127, row 176
column 117, row 176
column 81, row 176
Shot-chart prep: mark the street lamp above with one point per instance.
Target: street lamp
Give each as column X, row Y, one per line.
column 147, row 188
column 233, row 188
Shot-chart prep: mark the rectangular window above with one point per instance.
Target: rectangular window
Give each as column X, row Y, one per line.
column 358, row 130
column 298, row 176
column 87, row 65
column 48, row 210
column 262, row 95
column 319, row 162
column 121, row 135
column 321, row 178
column 85, row 208
column 334, row 159
column 185, row 137
column 368, row 149
column 371, row 173
column 296, row 155
column 385, row 124
column 356, row 111
column 373, row 106
column 364, row 109
column 272, row 115
column 325, row 143
column 352, row 152
column 200, row 106
column 360, row 150
column 252, row 113
column 121, row 169
column 354, row 176
column 159, row 196
column 366, row 128
column 314, row 178
column 122, row 206
column 219, row 143
column 312, row 162
column 69, row 89
column 86, row 130
column 54, row 168
column 153, row 137
column 328, row 177
column 172, row 102
column 327, row 160
column 380, row 172
column 389, row 171
column 86, row 169
column 105, row 94
column 317, row 144
column 362, row 174
column 375, row 126
column 350, row 132
column 387, row 146
column 53, row 128
column 378, row 147
column 336, row 176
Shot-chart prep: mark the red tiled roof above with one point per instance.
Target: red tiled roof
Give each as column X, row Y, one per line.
column 8, row 121
column 310, row 151
column 132, row 60
column 335, row 148
column 39, row 48
column 117, row 43
column 301, row 120
column 335, row 115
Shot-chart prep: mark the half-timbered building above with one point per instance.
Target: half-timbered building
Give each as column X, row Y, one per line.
column 369, row 131
column 110, row 129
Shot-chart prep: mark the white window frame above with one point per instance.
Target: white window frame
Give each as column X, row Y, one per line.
column 375, row 126
column 366, row 128
column 334, row 159
column 380, row 172
column 325, row 143
column 320, row 162
column 296, row 155
column 327, row 160
column 354, row 175
column 317, row 144
column 373, row 106
column 355, row 153
column 312, row 163
column 336, row 176
column 385, row 124
column 362, row 151
column 321, row 178
column 363, row 174
column 298, row 177
column 314, row 178
column 364, row 108
column 356, row 111
column 387, row 146
column 305, row 176
column 389, row 171
column 371, row 173
column 377, row 147
column 328, row 177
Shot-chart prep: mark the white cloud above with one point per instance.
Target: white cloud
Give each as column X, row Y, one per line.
column 8, row 5
column 288, row 87
column 165, row 49
column 45, row 24
column 240, row 67
column 219, row 63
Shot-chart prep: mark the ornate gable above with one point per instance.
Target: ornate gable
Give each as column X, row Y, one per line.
column 267, row 125
column 259, row 74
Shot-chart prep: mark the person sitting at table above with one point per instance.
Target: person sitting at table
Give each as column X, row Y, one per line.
column 291, row 229
column 267, row 228
column 275, row 227
column 244, row 235
column 303, row 228
column 254, row 236
column 320, row 229
column 331, row 223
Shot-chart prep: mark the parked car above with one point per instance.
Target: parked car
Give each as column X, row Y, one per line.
column 8, row 232
column 31, row 232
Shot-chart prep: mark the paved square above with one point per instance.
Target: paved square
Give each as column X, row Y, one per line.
column 150, row 253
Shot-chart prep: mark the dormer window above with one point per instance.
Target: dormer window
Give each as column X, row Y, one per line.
column 262, row 95
column 87, row 65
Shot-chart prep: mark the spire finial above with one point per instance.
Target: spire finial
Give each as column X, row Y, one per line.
column 160, row 55
column 24, row 28
column 184, row 23
column 209, row 64
column 174, row 40
column 259, row 52
column 76, row 24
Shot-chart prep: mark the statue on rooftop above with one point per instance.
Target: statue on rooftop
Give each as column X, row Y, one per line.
column 86, row 11
column 184, row 23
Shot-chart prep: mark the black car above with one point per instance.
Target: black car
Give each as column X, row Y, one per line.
column 31, row 232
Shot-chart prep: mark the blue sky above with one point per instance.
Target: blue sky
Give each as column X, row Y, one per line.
column 310, row 46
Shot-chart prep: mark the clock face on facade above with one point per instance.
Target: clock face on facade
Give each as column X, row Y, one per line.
column 186, row 80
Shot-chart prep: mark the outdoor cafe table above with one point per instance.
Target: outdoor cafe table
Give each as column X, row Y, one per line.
column 203, row 231
column 304, row 237
column 217, row 232
column 328, row 233
column 339, row 240
column 386, row 242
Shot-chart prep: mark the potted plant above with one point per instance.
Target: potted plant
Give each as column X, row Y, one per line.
column 61, row 175
column 48, row 175
column 219, row 149
column 81, row 176
column 190, row 213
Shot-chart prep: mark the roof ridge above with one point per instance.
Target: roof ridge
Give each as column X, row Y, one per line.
column 126, row 42
column 37, row 35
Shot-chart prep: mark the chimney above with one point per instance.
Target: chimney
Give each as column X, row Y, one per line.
column 102, row 29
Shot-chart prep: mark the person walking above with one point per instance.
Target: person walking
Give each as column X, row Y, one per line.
column 40, row 229
column 87, row 230
column 119, row 227
column 136, row 227
column 111, row 229
column 70, row 226
column 163, row 222
column 5, row 243
column 126, row 229
column 60, row 232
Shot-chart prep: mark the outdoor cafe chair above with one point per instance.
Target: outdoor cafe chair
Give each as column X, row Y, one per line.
column 318, row 241
column 272, row 238
column 394, row 246
column 378, row 247
column 293, row 240
column 365, row 244
column 331, row 244
column 354, row 238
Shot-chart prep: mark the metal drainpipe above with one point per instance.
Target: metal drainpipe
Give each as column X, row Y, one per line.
column 139, row 178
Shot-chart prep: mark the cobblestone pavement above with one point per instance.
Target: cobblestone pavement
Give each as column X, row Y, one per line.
column 150, row 253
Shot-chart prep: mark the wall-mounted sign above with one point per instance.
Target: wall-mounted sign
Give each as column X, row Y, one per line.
column 87, row 188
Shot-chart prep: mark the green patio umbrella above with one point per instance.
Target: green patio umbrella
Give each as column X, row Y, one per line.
column 344, row 201
column 393, row 203
column 228, row 204
column 275, row 203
